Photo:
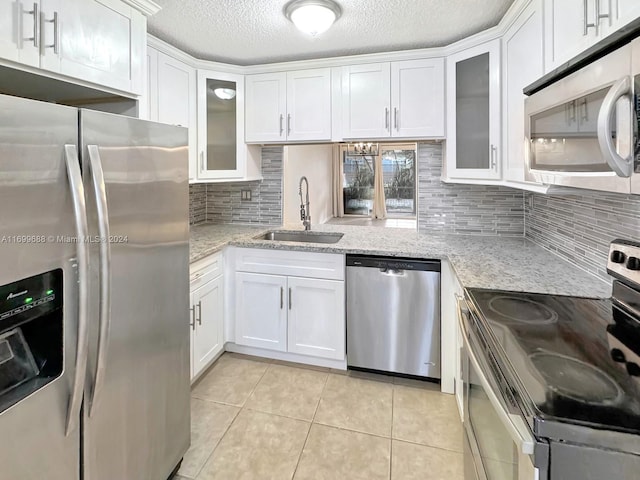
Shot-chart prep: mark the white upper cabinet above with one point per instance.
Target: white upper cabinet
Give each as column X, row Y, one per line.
column 289, row 106
column 417, row 98
column 366, row 103
column 222, row 152
column 522, row 61
column 266, row 107
column 100, row 41
column 398, row 99
column 473, row 113
column 20, row 31
column 97, row 41
column 309, row 105
column 572, row 26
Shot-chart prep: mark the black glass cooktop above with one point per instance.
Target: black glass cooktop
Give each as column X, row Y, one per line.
column 577, row 358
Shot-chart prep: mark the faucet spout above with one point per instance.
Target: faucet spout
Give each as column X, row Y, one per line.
column 305, row 215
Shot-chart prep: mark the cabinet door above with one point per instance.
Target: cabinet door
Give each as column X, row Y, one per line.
column 192, row 329
column 316, row 318
column 473, row 120
column 208, row 336
column 366, row 108
column 177, row 101
column 19, row 34
column 100, row 41
column 417, row 98
column 566, row 30
column 622, row 12
column 266, row 107
column 222, row 152
column 261, row 315
column 309, row 104
column 522, row 49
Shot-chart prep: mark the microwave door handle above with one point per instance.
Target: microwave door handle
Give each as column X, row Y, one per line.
column 99, row 190
column 515, row 425
column 82, row 259
column 621, row 166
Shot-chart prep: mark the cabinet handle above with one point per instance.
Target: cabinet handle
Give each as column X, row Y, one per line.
column 588, row 25
column 281, row 298
column 386, row 118
column 599, row 15
column 199, row 312
column 572, row 115
column 201, row 161
column 289, row 298
column 192, row 324
column 494, row 155
column 288, row 124
column 36, row 25
column 395, row 118
column 56, row 31
column 281, row 124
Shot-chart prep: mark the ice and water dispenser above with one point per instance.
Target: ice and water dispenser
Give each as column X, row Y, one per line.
column 31, row 335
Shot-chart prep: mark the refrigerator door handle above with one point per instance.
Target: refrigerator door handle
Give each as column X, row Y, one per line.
column 80, row 213
column 99, row 190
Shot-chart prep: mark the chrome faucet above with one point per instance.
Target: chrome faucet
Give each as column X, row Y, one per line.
column 305, row 216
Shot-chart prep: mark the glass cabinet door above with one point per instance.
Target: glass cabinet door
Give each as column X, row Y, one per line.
column 473, row 125
column 220, row 120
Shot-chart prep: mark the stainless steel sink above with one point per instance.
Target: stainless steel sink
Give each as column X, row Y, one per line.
column 306, row 236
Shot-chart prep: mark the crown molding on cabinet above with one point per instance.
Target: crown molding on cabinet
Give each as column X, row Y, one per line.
column 147, row 7
column 485, row 36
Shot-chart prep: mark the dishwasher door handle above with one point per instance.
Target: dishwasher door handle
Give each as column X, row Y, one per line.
column 392, row 272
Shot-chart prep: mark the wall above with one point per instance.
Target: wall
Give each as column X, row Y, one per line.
column 223, row 204
column 314, row 162
column 464, row 209
column 580, row 227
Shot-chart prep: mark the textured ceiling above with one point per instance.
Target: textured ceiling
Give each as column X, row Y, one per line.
column 250, row 32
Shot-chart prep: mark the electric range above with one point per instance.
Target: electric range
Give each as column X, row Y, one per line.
column 569, row 366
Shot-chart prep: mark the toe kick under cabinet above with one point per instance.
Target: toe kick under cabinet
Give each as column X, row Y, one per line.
column 290, row 301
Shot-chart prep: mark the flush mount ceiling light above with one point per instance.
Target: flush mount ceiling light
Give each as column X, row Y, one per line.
column 224, row 93
column 312, row 16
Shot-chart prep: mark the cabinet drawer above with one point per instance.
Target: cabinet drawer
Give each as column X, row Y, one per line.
column 329, row 266
column 205, row 270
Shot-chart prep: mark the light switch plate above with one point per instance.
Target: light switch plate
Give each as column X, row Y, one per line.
column 245, row 194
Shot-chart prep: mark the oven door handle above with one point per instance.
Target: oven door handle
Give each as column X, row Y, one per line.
column 515, row 425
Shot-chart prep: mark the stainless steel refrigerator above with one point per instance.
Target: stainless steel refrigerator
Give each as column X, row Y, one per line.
column 94, row 338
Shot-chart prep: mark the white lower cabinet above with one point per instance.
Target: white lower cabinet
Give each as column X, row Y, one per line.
column 316, row 317
column 206, row 313
column 299, row 315
column 261, row 315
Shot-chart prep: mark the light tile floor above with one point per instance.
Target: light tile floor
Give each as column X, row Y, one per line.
column 253, row 418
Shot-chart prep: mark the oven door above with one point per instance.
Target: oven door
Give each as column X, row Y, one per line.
column 500, row 443
column 580, row 129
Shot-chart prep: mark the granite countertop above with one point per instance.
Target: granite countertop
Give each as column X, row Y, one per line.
column 500, row 263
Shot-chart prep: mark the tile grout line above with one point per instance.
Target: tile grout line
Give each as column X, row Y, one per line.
column 240, row 409
column 393, row 401
column 295, row 470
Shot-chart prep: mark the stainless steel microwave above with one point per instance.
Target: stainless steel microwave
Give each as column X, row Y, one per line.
column 581, row 131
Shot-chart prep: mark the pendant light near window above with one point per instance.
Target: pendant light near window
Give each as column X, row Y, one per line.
column 312, row 16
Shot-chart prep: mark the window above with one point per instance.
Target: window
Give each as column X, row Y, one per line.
column 398, row 164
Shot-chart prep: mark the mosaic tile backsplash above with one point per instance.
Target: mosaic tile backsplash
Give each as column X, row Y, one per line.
column 580, row 227
column 464, row 209
column 221, row 202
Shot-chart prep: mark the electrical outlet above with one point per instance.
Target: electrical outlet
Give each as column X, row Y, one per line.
column 245, row 194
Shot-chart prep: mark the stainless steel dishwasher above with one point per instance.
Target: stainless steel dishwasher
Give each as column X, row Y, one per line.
column 393, row 315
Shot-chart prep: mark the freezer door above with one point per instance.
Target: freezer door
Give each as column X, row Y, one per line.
column 136, row 415
column 37, row 229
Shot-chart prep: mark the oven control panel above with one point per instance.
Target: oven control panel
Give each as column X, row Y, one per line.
column 624, row 261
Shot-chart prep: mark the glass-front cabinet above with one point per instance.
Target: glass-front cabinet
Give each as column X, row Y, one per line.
column 222, row 153
column 473, row 120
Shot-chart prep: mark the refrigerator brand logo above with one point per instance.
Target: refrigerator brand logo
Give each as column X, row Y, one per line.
column 16, row 295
